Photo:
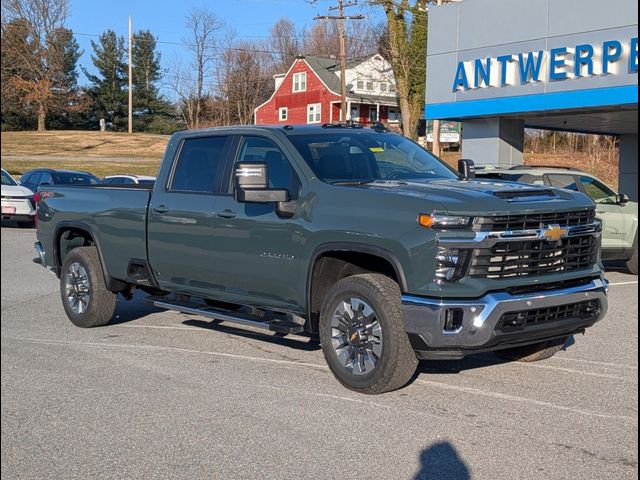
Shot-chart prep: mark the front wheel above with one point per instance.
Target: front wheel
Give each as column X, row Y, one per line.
column 85, row 297
column 534, row 352
column 363, row 336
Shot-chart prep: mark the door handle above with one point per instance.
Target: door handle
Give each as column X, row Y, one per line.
column 226, row 214
column 160, row 209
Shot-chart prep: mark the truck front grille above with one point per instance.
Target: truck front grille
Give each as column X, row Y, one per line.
column 514, row 321
column 504, row 223
column 526, row 258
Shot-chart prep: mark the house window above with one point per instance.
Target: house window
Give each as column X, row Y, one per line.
column 314, row 113
column 393, row 115
column 369, row 85
column 282, row 114
column 360, row 85
column 392, row 88
column 300, row 82
column 383, row 87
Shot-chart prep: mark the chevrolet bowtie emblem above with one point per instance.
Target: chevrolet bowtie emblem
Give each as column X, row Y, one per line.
column 555, row 232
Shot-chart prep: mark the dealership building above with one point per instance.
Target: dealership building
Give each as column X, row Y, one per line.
column 500, row 66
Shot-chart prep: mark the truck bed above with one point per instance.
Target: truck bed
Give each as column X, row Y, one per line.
column 115, row 214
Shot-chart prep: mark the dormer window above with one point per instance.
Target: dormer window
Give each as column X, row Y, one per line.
column 300, row 82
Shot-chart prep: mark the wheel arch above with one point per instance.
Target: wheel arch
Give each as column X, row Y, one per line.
column 331, row 262
column 69, row 235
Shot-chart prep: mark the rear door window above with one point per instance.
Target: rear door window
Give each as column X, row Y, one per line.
column 200, row 165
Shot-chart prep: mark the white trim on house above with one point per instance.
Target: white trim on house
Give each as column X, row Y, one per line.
column 314, row 113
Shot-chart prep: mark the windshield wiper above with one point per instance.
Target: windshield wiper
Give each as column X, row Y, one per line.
column 351, row 183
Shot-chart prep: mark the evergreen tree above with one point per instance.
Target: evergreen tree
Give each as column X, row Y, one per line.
column 149, row 107
column 108, row 86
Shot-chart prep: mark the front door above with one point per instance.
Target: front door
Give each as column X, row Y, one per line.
column 181, row 213
column 257, row 251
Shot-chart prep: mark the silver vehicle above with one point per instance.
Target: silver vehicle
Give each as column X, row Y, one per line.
column 128, row 179
column 619, row 215
column 17, row 201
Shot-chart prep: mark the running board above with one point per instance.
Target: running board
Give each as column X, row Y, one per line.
column 280, row 325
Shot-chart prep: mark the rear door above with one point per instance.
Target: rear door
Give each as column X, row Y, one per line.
column 180, row 225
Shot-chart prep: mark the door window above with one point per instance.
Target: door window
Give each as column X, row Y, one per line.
column 597, row 190
column 563, row 181
column 200, row 165
column 281, row 174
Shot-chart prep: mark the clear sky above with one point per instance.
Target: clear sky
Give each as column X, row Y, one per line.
column 250, row 19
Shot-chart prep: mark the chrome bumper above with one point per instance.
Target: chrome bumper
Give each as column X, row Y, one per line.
column 40, row 259
column 425, row 317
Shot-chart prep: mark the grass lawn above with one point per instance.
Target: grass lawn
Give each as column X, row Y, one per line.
column 105, row 153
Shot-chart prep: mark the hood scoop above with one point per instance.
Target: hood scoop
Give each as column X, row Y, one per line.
column 530, row 193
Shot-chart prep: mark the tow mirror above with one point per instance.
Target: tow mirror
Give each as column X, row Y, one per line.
column 622, row 199
column 467, row 168
column 252, row 184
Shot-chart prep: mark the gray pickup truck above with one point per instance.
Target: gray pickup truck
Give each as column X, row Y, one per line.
column 358, row 236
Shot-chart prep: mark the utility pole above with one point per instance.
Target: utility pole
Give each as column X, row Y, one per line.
column 130, row 80
column 342, row 55
column 437, row 150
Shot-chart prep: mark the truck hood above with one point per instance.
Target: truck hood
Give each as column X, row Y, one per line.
column 485, row 197
column 16, row 191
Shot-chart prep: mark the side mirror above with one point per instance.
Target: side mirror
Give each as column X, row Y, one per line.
column 467, row 168
column 252, row 184
column 622, row 199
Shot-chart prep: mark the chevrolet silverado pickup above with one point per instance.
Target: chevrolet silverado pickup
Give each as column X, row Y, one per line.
column 355, row 235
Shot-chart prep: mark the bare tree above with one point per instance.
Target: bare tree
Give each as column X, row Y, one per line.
column 286, row 42
column 203, row 26
column 39, row 55
column 407, row 51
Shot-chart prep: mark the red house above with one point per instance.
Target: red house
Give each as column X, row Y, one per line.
column 309, row 93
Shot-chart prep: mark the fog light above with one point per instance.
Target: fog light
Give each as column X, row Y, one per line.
column 453, row 319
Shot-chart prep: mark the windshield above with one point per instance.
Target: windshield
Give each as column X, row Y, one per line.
column 362, row 156
column 71, row 178
column 7, row 180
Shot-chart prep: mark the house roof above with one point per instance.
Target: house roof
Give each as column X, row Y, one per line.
column 327, row 70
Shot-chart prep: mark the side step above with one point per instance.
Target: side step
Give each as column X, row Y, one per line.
column 279, row 323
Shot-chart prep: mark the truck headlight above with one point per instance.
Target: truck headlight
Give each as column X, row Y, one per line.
column 433, row 220
column 451, row 264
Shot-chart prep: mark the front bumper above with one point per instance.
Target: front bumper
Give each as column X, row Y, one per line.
column 425, row 320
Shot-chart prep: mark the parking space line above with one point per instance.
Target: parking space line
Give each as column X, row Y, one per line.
column 445, row 386
column 573, row 371
column 524, row 365
column 623, row 283
column 531, row 401
column 580, row 360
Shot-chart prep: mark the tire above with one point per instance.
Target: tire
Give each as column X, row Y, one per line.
column 84, row 294
column 632, row 263
column 381, row 338
column 534, row 352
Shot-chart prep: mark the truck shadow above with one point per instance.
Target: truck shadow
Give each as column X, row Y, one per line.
column 309, row 345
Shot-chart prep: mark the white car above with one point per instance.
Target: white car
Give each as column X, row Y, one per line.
column 128, row 179
column 17, row 201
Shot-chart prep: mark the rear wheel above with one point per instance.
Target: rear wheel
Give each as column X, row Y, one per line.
column 85, row 297
column 534, row 352
column 363, row 335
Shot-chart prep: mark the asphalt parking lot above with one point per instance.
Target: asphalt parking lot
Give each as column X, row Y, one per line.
column 164, row 395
